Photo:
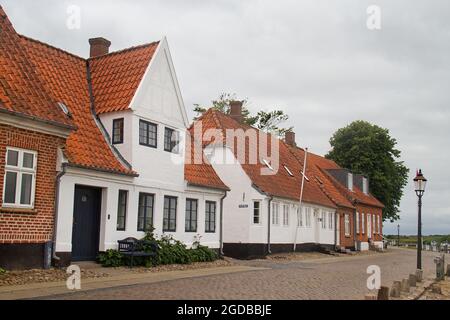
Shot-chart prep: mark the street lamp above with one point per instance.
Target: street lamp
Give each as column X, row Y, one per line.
column 419, row 183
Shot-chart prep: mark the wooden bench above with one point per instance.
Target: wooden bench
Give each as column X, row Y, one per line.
column 133, row 247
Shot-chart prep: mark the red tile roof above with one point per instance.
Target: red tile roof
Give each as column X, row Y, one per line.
column 22, row 91
column 280, row 184
column 116, row 76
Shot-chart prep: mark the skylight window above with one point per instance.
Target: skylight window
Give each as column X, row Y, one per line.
column 267, row 164
column 288, row 171
column 64, row 109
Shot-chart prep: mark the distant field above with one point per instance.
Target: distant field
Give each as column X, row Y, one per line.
column 426, row 239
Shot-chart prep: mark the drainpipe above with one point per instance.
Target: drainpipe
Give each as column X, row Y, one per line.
column 55, row 218
column 335, row 229
column 268, row 226
column 354, row 230
column 221, row 223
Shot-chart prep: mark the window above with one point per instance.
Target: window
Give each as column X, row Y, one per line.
column 286, row 215
column 380, row 226
column 330, row 220
column 20, row 178
column 122, row 210
column 369, row 225
column 299, row 217
column 357, row 222
column 148, row 134
column 171, row 140
column 375, row 224
column 256, row 212
column 170, row 214
column 324, row 220
column 365, row 185
column 191, row 215
column 347, row 225
column 350, row 181
column 210, row 217
column 117, row 136
column 308, row 217
column 363, row 223
column 145, row 211
column 275, row 213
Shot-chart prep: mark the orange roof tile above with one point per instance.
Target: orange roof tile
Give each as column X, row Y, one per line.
column 116, row 76
column 22, row 91
column 280, row 184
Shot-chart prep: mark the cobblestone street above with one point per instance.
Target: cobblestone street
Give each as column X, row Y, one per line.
column 328, row 278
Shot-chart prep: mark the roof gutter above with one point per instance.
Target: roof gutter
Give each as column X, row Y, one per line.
column 99, row 122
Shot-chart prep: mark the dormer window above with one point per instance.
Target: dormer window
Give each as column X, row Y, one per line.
column 117, row 135
column 288, row 171
column 171, row 140
column 350, row 181
column 365, row 185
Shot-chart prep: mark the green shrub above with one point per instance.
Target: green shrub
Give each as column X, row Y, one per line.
column 2, row 271
column 111, row 258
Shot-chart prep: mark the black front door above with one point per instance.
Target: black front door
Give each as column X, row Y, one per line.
column 86, row 223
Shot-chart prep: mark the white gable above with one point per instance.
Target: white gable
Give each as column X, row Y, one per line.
column 158, row 96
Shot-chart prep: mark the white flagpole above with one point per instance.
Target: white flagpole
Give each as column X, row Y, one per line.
column 301, row 196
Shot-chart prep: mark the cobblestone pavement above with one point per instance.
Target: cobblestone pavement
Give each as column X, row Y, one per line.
column 328, row 278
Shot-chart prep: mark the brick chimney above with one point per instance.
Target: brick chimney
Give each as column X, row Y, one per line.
column 289, row 138
column 236, row 111
column 99, row 47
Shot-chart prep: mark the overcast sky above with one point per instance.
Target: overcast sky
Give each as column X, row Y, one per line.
column 316, row 59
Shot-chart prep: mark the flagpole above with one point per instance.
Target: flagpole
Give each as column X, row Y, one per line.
column 301, row 197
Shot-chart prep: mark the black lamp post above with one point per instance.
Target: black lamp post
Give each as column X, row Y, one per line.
column 419, row 183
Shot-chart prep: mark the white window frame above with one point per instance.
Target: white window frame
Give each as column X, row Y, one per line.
column 285, row 215
column 363, row 223
column 20, row 170
column 350, row 181
column 365, row 185
column 299, row 217
column 275, row 213
column 347, row 225
column 259, row 213
column 323, row 220
column 308, row 217
column 357, row 223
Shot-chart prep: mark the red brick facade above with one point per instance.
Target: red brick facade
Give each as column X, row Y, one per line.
column 20, row 226
column 346, row 241
column 376, row 233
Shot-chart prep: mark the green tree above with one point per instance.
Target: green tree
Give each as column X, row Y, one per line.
column 370, row 150
column 266, row 121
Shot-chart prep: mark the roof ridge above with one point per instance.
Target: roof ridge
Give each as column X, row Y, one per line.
column 125, row 50
column 51, row 46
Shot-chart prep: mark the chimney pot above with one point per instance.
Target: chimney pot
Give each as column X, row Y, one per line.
column 99, row 47
column 289, row 138
column 236, row 111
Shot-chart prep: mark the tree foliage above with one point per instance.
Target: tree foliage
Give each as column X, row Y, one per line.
column 370, row 150
column 269, row 122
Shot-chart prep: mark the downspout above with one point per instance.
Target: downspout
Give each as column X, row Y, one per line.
column 268, row 226
column 336, row 214
column 221, row 223
column 55, row 218
column 354, row 230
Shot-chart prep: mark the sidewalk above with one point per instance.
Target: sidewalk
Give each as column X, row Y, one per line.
column 40, row 290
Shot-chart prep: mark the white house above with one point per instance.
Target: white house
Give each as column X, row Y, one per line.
column 123, row 169
column 262, row 212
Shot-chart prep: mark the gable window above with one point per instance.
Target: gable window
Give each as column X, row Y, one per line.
column 117, row 136
column 308, row 217
column 145, row 211
column 256, row 212
column 122, row 210
column 347, row 225
column 191, row 215
column 210, row 217
column 330, row 220
column 148, row 134
column 285, row 215
column 171, row 140
column 170, row 214
column 275, row 213
column 350, row 181
column 357, row 222
column 20, row 178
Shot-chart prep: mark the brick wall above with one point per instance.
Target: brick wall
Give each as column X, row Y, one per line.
column 30, row 226
column 349, row 240
column 373, row 211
